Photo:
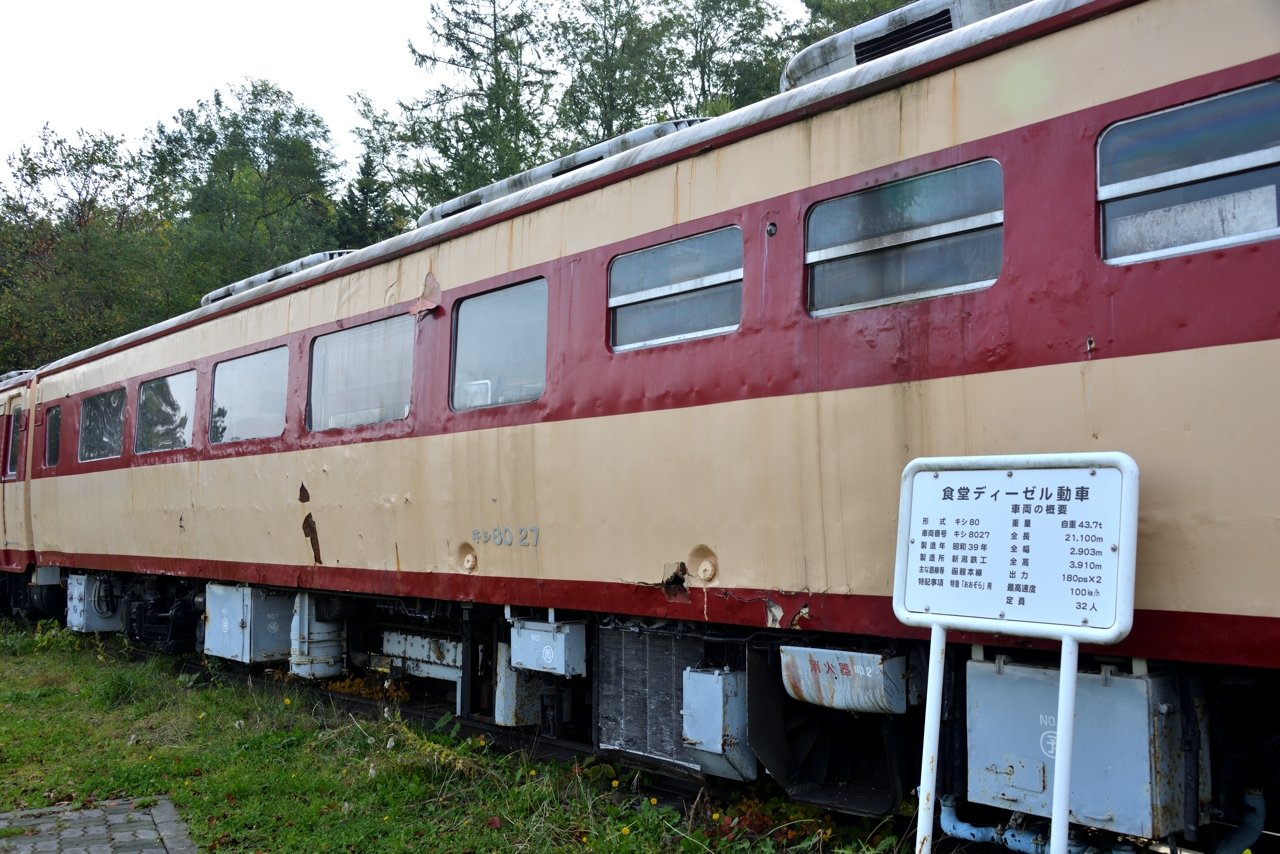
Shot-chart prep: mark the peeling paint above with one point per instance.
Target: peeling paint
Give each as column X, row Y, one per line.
column 309, row 531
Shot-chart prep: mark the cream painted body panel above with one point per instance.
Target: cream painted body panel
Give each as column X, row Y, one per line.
column 1121, row 54
column 791, row 493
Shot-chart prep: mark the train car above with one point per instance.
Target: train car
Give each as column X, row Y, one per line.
column 611, row 450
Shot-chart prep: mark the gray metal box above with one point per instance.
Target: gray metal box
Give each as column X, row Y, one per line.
column 559, row 648
column 715, row 723
column 247, row 624
column 92, row 604
column 1127, row 764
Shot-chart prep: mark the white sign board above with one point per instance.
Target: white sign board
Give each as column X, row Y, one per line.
column 1030, row 546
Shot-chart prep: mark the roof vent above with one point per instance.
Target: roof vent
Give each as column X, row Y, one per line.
column 904, row 36
column 13, row 375
column 554, row 169
column 273, row 274
column 900, row 29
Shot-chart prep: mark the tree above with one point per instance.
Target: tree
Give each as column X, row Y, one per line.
column 722, row 39
column 828, row 17
column 490, row 119
column 364, row 215
column 80, row 251
column 246, row 181
column 622, row 64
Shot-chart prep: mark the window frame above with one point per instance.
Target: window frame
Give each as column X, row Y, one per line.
column 219, row 360
column 14, row 439
column 44, row 454
column 675, row 288
column 137, row 413
column 126, row 446
column 336, row 329
column 455, row 311
column 920, row 234
column 1184, row 176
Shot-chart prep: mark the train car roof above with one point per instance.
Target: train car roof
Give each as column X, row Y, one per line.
column 982, row 38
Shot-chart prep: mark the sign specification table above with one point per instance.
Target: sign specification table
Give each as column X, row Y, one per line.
column 1031, row 546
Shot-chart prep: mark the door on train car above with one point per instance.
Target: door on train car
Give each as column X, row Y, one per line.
column 13, row 493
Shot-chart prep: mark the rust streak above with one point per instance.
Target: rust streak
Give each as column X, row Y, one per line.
column 309, row 531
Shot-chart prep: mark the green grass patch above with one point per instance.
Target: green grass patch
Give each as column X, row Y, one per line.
column 272, row 768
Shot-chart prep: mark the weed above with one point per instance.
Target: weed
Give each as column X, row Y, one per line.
column 252, row 764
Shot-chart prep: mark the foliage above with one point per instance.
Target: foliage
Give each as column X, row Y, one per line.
column 97, row 240
column 489, row 119
column 623, row 69
column 726, row 43
column 271, row 768
column 828, row 17
column 79, row 248
column 245, row 180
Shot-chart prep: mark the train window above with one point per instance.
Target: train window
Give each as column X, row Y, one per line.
column 934, row 234
column 102, row 425
column 1201, row 176
column 500, row 349
column 15, row 427
column 361, row 375
column 249, row 395
column 166, row 413
column 52, row 435
column 690, row 288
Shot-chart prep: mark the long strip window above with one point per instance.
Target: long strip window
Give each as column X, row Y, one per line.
column 690, row 288
column 1196, row 177
column 362, row 375
column 166, row 413
column 500, row 351
column 15, row 437
column 249, row 396
column 52, row 435
column 934, row 234
column 102, row 425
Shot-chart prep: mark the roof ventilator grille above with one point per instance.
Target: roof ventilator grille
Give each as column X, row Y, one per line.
column 903, row 37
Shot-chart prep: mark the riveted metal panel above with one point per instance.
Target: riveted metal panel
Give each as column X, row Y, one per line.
column 1127, row 761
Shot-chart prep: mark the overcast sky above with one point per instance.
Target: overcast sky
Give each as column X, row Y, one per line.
column 121, row 67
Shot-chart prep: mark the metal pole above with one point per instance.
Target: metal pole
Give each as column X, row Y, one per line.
column 1061, row 824
column 932, row 724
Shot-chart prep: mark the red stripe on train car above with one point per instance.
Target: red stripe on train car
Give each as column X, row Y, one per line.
column 1165, row 635
column 1054, row 293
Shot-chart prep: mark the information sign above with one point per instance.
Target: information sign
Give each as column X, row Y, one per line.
column 1031, row 546
column 1015, row 546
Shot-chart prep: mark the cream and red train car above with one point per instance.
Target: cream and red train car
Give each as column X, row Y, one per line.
column 613, row 448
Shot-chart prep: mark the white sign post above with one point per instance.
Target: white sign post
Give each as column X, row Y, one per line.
column 1038, row 546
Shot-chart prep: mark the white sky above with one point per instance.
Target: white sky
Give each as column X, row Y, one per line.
column 121, row 67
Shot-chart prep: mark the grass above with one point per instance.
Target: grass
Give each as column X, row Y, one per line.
column 272, row 769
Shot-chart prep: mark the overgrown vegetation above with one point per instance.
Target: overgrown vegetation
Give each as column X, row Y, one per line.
column 270, row 768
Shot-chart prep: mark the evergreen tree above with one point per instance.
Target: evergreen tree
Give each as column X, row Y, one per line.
column 491, row 117
column 364, row 214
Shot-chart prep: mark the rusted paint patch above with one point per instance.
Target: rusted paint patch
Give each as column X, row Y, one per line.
column 802, row 614
column 674, row 587
column 303, row 495
column 309, row 531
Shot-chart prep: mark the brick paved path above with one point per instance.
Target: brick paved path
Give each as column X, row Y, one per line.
column 112, row 827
